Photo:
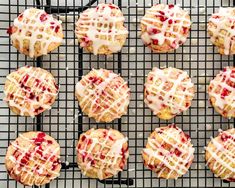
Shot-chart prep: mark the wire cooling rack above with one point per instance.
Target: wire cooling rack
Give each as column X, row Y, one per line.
column 65, row 122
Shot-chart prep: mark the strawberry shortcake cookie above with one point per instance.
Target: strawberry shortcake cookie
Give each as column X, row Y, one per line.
column 221, row 28
column 101, row 30
column 35, row 33
column 220, row 155
column 168, row 92
column 165, row 27
column 102, row 153
column 30, row 91
column 168, row 152
column 103, row 95
column 222, row 92
column 33, row 159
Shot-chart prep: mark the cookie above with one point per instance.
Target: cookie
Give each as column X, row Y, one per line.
column 222, row 92
column 168, row 92
column 220, row 154
column 221, row 29
column 103, row 95
column 33, row 159
column 101, row 30
column 35, row 33
column 30, row 91
column 165, row 27
column 102, row 153
column 169, row 152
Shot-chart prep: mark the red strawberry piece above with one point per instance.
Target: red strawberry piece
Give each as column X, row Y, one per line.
column 161, row 12
column 20, row 16
column 83, row 138
column 170, row 21
column 155, row 41
column 185, row 30
column 171, row 6
column 43, row 17
column 57, row 28
column 177, row 152
column 10, row 30
column 163, row 18
column 225, row 93
column 225, row 137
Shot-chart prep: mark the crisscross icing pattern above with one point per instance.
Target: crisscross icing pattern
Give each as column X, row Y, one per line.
column 38, row 27
column 101, row 26
column 103, row 93
column 33, row 160
column 175, row 151
column 31, row 90
column 102, row 155
column 173, row 25
column 168, row 88
column 222, row 88
column 221, row 28
column 223, row 152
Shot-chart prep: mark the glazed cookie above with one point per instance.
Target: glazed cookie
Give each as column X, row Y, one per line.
column 102, row 153
column 221, row 28
column 165, row 27
column 101, row 30
column 168, row 92
column 220, row 154
column 168, row 152
column 103, row 95
column 30, row 91
column 222, row 92
column 33, row 159
column 35, row 33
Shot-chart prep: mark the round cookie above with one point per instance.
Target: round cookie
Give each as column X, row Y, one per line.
column 102, row 153
column 33, row 159
column 103, row 95
column 168, row 152
column 222, row 92
column 165, row 27
column 221, row 28
column 220, row 154
column 168, row 92
column 101, row 30
column 30, row 91
column 35, row 33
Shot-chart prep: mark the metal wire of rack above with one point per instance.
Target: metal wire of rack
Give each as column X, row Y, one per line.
column 65, row 122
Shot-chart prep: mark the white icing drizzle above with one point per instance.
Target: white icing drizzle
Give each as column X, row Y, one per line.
column 32, row 23
column 31, row 169
column 223, row 93
column 223, row 21
column 158, row 97
column 223, row 155
column 168, row 25
column 101, row 26
column 109, row 162
column 91, row 93
column 34, row 75
column 171, row 161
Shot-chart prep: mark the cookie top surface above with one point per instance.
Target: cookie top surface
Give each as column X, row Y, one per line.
column 168, row 152
column 221, row 28
column 165, row 27
column 220, row 154
column 35, row 33
column 33, row 159
column 102, row 153
column 30, row 91
column 222, row 92
column 103, row 95
column 102, row 26
column 168, row 92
